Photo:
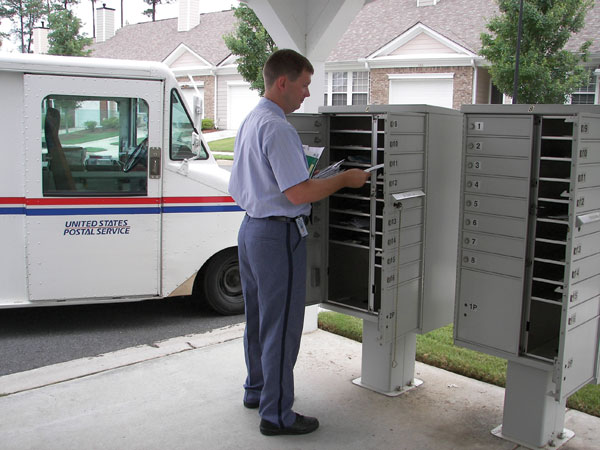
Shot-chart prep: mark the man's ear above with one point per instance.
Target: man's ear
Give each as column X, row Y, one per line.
column 281, row 82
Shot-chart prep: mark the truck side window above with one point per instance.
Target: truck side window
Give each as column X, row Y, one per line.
column 89, row 146
column 182, row 129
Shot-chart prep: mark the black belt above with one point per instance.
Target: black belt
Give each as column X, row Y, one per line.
column 287, row 219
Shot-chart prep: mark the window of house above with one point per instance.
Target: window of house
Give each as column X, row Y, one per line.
column 346, row 88
column 94, row 146
column 360, row 88
column 586, row 94
column 182, row 132
column 339, row 88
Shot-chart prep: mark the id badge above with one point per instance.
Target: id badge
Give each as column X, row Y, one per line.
column 301, row 227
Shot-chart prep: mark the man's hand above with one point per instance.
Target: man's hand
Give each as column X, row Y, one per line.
column 313, row 190
column 355, row 178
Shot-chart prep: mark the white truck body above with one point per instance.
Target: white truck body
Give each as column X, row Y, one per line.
column 80, row 226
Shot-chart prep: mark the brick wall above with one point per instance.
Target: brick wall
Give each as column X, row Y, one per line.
column 463, row 83
column 209, row 93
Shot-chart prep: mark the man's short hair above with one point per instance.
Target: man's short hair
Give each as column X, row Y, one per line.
column 285, row 62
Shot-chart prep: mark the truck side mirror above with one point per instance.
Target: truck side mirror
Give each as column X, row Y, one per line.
column 196, row 143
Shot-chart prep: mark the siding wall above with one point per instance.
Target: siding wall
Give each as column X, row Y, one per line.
column 221, row 116
column 422, row 45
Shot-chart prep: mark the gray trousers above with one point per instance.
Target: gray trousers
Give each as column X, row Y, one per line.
column 273, row 271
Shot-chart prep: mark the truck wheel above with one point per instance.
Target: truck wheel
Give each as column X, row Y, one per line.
column 220, row 285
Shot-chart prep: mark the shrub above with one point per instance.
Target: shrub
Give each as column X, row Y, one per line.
column 111, row 122
column 208, row 124
column 91, row 125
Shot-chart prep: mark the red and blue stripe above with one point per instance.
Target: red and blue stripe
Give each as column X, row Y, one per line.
column 56, row 206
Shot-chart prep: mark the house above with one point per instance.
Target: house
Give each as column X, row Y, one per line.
column 192, row 46
column 425, row 51
column 394, row 51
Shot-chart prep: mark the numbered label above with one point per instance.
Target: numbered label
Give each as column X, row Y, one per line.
column 477, row 126
column 471, row 242
column 477, row 146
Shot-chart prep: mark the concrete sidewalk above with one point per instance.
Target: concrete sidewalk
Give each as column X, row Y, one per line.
column 186, row 393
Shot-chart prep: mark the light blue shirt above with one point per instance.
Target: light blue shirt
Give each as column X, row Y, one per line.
column 268, row 159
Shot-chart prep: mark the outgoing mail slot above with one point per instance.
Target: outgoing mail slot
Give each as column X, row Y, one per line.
column 489, row 262
column 487, row 165
column 503, row 146
column 501, row 245
column 510, row 187
column 505, row 226
column 499, row 125
column 502, row 206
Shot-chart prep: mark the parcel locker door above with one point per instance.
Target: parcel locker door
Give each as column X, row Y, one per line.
column 313, row 131
column 578, row 360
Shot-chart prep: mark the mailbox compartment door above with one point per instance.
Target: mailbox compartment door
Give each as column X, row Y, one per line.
column 578, row 350
column 313, row 130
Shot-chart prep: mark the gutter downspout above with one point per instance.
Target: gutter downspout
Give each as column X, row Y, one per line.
column 366, row 62
column 475, row 81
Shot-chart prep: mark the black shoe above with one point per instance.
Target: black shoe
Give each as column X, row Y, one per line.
column 302, row 425
column 251, row 405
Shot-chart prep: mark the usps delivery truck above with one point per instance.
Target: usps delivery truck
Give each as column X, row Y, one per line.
column 107, row 191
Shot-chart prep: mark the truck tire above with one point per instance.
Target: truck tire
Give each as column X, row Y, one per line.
column 219, row 283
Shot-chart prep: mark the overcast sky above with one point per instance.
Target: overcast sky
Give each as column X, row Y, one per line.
column 132, row 13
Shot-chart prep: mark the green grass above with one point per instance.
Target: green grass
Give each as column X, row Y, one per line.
column 83, row 136
column 222, row 145
column 437, row 349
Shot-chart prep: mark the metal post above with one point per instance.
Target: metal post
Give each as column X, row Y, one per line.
column 518, row 55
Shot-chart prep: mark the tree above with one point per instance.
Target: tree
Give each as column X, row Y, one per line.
column 151, row 12
column 252, row 44
column 64, row 37
column 547, row 72
column 24, row 14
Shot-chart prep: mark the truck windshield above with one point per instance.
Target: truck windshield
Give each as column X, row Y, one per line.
column 88, row 145
column 182, row 131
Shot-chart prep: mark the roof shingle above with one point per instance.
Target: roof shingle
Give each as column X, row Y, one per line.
column 154, row 41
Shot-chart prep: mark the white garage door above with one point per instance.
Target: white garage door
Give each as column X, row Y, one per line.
column 429, row 89
column 240, row 101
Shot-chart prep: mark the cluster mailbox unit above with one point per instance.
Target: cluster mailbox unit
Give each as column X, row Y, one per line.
column 386, row 253
column 528, row 285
